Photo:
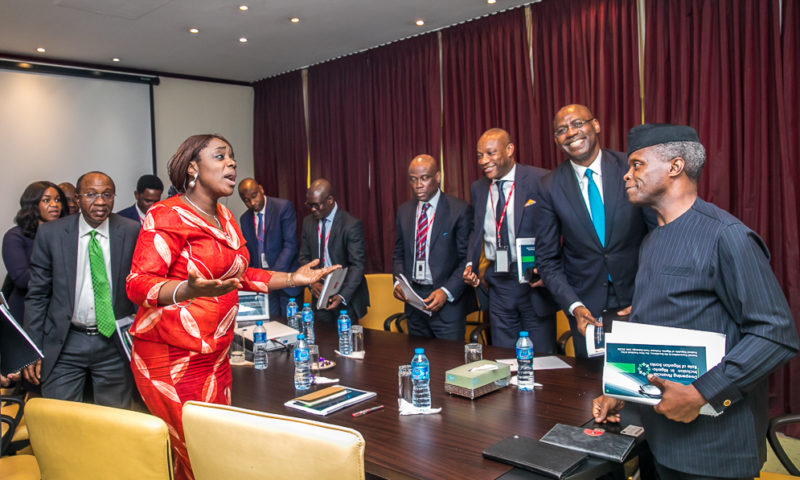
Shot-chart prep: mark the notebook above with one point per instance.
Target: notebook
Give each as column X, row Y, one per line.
column 597, row 442
column 533, row 455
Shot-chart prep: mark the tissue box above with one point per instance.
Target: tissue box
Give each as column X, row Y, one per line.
column 471, row 382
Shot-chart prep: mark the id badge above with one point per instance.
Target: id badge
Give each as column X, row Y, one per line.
column 419, row 270
column 501, row 262
column 264, row 262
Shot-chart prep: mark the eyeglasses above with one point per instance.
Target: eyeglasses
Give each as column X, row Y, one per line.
column 315, row 206
column 576, row 124
column 92, row 197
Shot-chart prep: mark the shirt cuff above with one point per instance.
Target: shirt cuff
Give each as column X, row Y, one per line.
column 450, row 297
column 344, row 302
column 574, row 306
column 717, row 389
column 469, row 264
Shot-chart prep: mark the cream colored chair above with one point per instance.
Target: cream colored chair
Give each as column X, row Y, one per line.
column 74, row 440
column 230, row 442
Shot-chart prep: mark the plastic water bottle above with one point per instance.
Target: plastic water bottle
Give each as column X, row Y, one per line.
column 421, row 379
column 260, row 360
column 302, row 371
column 345, row 348
column 308, row 324
column 524, row 362
column 291, row 309
column 295, row 321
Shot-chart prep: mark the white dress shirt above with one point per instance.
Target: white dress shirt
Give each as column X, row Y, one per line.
column 84, row 314
column 490, row 222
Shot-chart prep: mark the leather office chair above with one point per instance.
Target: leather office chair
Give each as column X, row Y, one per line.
column 775, row 424
column 382, row 302
column 230, row 442
column 74, row 440
column 564, row 335
column 19, row 467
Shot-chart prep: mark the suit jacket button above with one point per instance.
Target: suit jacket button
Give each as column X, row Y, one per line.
column 726, row 403
column 605, row 255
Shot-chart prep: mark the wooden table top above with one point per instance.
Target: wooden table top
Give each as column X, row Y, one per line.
column 443, row 446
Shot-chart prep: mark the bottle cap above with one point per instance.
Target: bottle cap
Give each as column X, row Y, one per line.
column 306, row 304
column 301, row 336
column 259, row 322
column 419, row 351
column 523, row 333
column 291, row 299
column 342, row 312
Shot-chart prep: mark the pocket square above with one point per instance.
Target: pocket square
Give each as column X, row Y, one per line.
column 530, row 202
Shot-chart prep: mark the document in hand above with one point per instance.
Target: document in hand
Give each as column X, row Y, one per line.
column 526, row 257
column 333, row 282
column 18, row 350
column 413, row 299
column 635, row 350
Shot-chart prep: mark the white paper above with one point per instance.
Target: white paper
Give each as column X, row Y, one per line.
column 551, row 362
column 683, row 347
column 593, row 348
column 333, row 282
column 411, row 296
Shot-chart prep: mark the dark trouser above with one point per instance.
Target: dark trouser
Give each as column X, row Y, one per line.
column 578, row 340
column 97, row 358
column 330, row 316
column 665, row 473
column 422, row 325
column 511, row 311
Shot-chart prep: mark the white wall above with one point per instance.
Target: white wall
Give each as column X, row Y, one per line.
column 187, row 107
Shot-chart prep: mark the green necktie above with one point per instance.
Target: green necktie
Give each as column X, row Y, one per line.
column 104, row 312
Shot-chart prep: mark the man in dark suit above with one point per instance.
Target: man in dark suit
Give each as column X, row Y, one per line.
column 76, row 292
column 333, row 236
column 148, row 191
column 430, row 250
column 587, row 273
column 702, row 269
column 269, row 227
column 503, row 202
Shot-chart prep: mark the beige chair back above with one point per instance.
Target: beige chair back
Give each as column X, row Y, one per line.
column 230, row 442
column 74, row 440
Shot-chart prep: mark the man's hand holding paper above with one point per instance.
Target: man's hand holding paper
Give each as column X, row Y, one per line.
column 681, row 403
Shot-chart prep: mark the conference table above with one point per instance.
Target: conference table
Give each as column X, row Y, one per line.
column 447, row 445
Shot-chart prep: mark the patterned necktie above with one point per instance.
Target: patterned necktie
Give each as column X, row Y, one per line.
column 422, row 231
column 498, row 211
column 260, row 236
column 103, row 311
column 596, row 207
column 322, row 242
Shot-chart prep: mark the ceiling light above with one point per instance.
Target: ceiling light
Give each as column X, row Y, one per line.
column 194, row 30
column 115, row 59
column 242, row 40
column 40, row 49
column 24, row 65
column 243, row 8
column 294, row 20
column 420, row 22
column 491, row 2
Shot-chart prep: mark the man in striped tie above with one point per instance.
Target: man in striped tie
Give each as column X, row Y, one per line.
column 431, row 239
column 76, row 294
column 702, row 269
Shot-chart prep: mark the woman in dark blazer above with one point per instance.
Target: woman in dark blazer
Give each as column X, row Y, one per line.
column 40, row 202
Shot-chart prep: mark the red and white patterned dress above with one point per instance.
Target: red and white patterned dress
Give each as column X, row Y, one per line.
column 180, row 352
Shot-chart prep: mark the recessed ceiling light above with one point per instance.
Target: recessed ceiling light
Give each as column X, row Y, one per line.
column 420, row 22
column 491, row 2
column 242, row 40
column 243, row 8
column 294, row 20
column 24, row 65
column 194, row 30
column 115, row 59
column 40, row 49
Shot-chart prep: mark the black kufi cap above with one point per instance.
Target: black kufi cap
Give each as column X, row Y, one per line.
column 649, row 134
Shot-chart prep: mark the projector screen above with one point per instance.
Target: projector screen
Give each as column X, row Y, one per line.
column 57, row 127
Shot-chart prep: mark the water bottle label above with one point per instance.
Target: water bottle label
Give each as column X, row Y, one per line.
column 524, row 353
column 259, row 337
column 420, row 372
column 300, row 355
column 308, row 316
column 291, row 311
column 344, row 327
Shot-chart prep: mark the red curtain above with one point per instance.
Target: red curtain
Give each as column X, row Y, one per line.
column 487, row 83
column 585, row 51
column 716, row 65
column 279, row 138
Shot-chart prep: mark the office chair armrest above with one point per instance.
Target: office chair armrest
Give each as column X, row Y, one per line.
column 395, row 318
column 561, row 344
column 475, row 334
column 774, row 424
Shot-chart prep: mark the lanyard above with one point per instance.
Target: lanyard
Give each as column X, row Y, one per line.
column 503, row 213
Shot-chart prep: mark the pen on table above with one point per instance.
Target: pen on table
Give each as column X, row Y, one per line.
column 369, row 410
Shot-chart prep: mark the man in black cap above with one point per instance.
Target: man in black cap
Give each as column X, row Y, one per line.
column 702, row 269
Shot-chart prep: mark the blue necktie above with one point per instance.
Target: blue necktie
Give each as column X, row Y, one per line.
column 596, row 207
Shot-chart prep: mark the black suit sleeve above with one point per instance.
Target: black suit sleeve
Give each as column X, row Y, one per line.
column 398, row 256
column 288, row 222
column 305, row 255
column 356, row 254
column 462, row 230
column 40, row 288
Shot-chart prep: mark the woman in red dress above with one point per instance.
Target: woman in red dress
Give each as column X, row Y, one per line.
column 189, row 262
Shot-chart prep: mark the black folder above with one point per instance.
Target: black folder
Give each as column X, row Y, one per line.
column 596, row 442
column 535, row 456
column 17, row 350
